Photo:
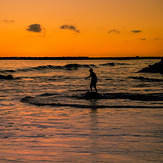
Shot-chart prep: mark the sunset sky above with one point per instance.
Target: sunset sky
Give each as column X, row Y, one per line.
column 94, row 28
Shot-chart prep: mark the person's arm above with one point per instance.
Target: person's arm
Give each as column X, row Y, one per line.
column 88, row 77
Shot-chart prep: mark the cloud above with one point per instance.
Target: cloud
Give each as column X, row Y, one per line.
column 70, row 27
column 157, row 38
column 34, row 28
column 114, row 31
column 136, row 31
column 7, row 21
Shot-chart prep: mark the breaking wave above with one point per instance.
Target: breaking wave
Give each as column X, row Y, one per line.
column 66, row 67
column 76, row 66
column 51, row 67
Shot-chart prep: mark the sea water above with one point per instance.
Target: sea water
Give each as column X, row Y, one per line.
column 44, row 116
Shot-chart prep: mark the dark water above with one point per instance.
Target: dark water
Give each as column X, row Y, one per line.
column 44, row 116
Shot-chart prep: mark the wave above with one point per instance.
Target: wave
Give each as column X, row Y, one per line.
column 146, row 79
column 135, row 96
column 65, row 67
column 7, row 71
column 51, row 67
column 76, row 66
column 108, row 64
column 32, row 100
column 113, row 64
column 82, row 101
column 130, row 96
column 123, row 64
column 48, row 94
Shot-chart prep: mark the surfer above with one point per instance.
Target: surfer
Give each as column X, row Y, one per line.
column 93, row 79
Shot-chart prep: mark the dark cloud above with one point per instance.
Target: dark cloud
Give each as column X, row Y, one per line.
column 34, row 28
column 136, row 31
column 114, row 31
column 143, row 39
column 70, row 27
column 7, row 21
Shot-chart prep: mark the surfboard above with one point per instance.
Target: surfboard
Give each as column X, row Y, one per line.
column 92, row 95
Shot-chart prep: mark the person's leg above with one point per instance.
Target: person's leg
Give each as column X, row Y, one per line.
column 95, row 88
column 91, row 87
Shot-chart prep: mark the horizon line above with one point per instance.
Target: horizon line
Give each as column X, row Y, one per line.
column 76, row 58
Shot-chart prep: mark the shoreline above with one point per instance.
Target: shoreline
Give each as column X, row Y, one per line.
column 77, row 58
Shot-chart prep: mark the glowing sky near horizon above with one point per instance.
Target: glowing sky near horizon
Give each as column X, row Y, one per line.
column 95, row 28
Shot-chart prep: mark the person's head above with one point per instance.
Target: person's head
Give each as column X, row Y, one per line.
column 91, row 70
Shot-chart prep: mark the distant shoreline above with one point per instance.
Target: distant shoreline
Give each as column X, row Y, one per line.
column 77, row 58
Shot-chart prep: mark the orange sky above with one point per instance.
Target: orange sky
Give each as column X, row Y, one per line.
column 95, row 28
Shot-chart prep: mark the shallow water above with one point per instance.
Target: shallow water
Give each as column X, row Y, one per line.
column 44, row 116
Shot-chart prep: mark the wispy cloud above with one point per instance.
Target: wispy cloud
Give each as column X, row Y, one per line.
column 114, row 31
column 136, row 31
column 69, row 27
column 7, row 21
column 34, row 28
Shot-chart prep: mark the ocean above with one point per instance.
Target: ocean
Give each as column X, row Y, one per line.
column 45, row 117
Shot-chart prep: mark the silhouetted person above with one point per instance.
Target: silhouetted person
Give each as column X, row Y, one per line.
column 93, row 79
